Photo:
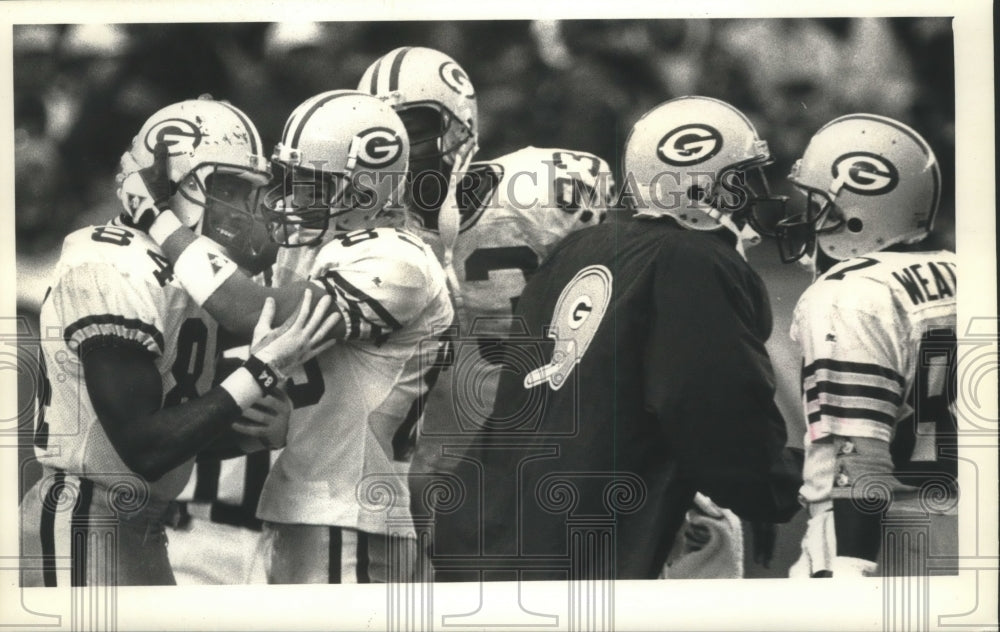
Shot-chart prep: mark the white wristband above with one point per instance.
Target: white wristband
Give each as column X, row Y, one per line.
column 202, row 268
column 165, row 224
column 242, row 387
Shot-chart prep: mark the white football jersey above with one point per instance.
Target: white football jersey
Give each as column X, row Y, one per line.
column 232, row 486
column 346, row 458
column 878, row 337
column 537, row 197
column 114, row 286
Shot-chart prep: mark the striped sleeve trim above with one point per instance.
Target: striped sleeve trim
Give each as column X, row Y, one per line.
column 874, row 406
column 372, row 311
column 110, row 340
column 837, row 414
column 114, row 325
column 843, row 409
column 363, row 318
column 348, row 310
column 883, row 400
column 842, row 393
column 863, row 369
column 839, row 389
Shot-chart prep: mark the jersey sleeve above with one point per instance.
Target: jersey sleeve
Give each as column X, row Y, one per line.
column 377, row 289
column 709, row 381
column 100, row 304
column 852, row 378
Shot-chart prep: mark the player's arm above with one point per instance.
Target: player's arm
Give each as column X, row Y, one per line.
column 263, row 426
column 226, row 292
column 199, row 264
column 709, row 380
column 126, row 391
column 852, row 388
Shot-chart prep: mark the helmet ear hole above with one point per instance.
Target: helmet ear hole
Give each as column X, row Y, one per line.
column 189, row 182
column 855, row 225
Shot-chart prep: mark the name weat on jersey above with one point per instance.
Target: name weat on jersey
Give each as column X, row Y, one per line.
column 928, row 281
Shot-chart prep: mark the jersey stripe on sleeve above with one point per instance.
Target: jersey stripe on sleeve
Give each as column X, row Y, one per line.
column 348, row 309
column 839, row 392
column 858, row 368
column 113, row 324
column 365, row 317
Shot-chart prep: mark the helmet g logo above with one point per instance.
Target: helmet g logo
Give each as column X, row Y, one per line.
column 456, row 79
column 864, row 173
column 180, row 135
column 689, row 145
column 581, row 310
column 378, row 147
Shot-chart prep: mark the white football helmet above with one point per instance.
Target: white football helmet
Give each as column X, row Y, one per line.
column 343, row 156
column 218, row 168
column 437, row 103
column 693, row 158
column 419, row 81
column 870, row 182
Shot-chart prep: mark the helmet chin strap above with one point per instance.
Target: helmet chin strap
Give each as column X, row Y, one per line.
column 185, row 207
column 746, row 237
column 191, row 214
column 808, row 261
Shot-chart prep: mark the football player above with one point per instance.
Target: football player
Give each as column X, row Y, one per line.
column 491, row 224
column 877, row 331
column 335, row 503
column 128, row 401
column 643, row 378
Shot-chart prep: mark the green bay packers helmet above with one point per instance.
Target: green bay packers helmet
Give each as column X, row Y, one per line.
column 342, row 158
column 870, row 182
column 695, row 159
column 218, row 168
column 418, row 81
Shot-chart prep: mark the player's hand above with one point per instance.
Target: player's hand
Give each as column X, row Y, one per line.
column 697, row 534
column 299, row 338
column 709, row 544
column 146, row 193
column 265, row 422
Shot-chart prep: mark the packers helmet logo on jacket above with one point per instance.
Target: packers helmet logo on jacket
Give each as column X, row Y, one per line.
column 180, row 135
column 577, row 316
column 864, row 173
column 456, row 79
column 689, row 144
column 378, row 147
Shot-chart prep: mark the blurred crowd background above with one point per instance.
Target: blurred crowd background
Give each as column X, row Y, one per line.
column 82, row 91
